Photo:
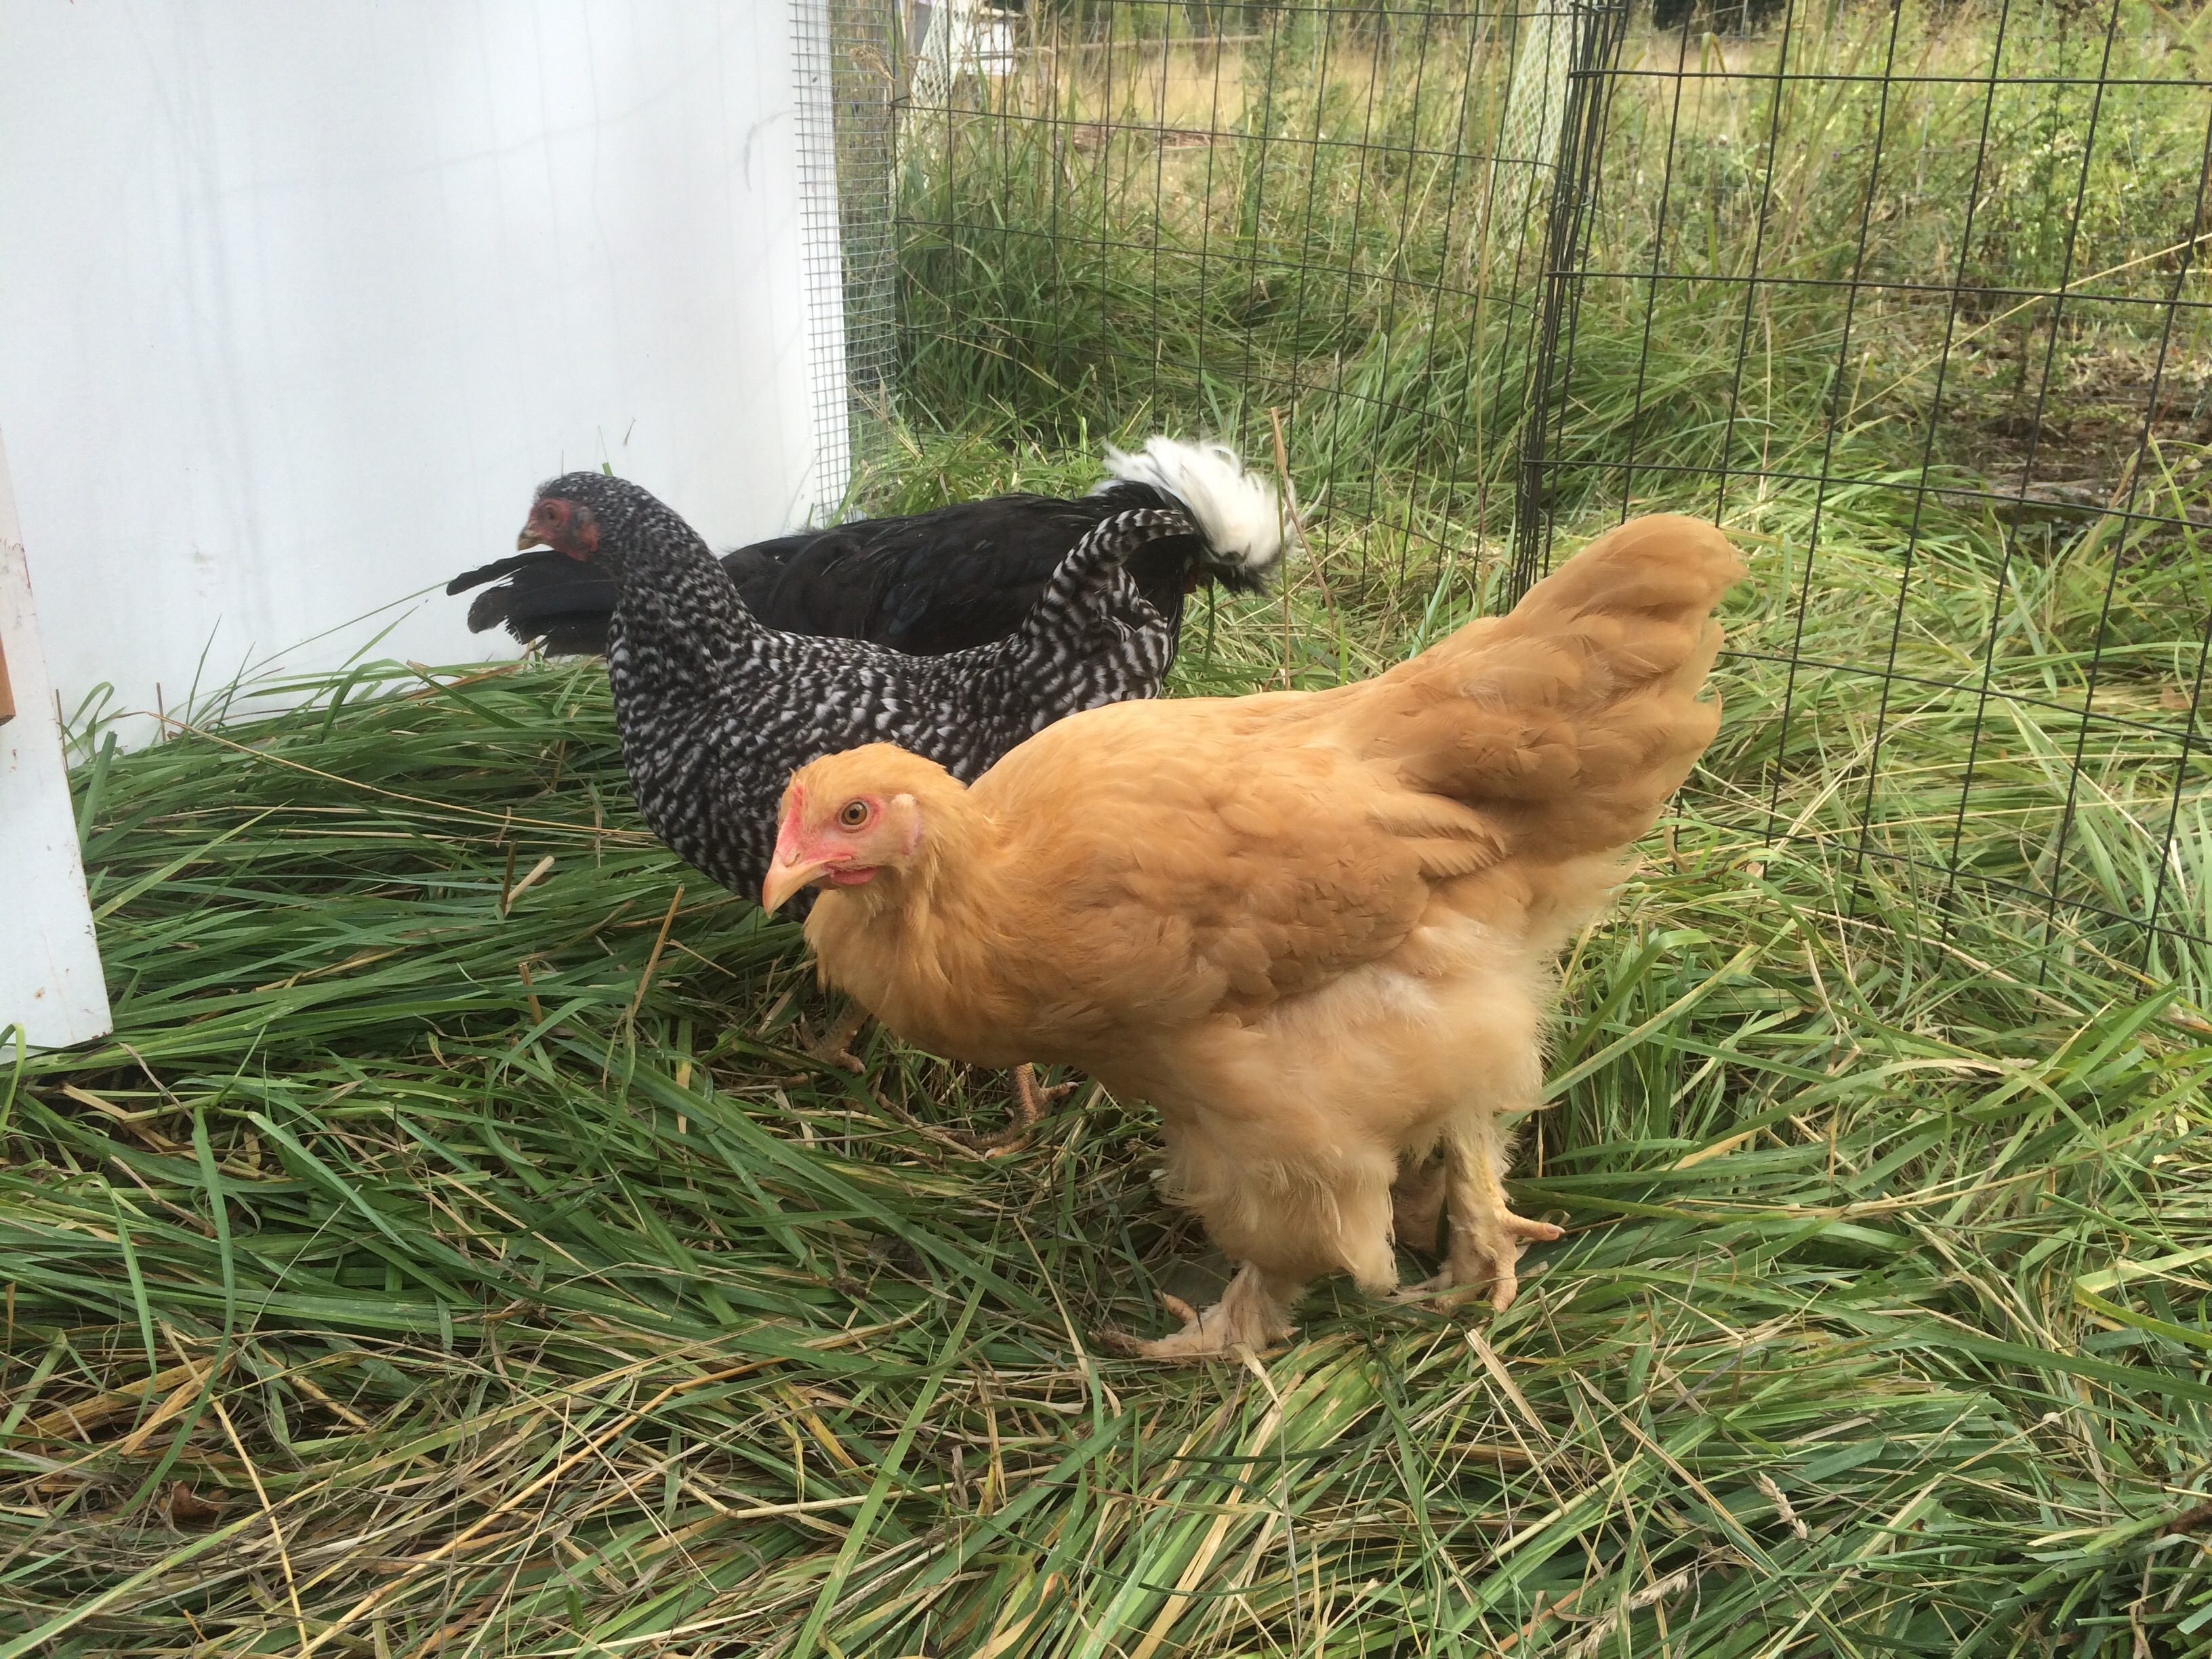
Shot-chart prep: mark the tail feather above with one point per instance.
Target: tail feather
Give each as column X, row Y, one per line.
column 567, row 607
column 1093, row 579
column 545, row 596
column 1093, row 620
column 497, row 568
column 1568, row 722
column 1237, row 512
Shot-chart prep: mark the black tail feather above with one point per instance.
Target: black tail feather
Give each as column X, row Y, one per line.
column 947, row 579
column 498, row 568
column 565, row 603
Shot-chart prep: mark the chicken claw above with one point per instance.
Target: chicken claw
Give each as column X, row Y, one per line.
column 1485, row 1249
column 836, row 1048
column 1248, row 1316
column 1030, row 1101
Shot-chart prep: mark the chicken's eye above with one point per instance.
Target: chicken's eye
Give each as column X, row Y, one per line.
column 854, row 814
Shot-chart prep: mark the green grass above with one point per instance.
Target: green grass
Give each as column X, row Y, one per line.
column 536, row 1324
column 439, row 1259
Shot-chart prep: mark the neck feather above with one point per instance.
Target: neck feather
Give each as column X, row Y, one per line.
column 654, row 544
column 953, row 866
column 923, row 945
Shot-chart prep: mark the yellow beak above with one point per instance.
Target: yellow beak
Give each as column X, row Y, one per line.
column 528, row 539
column 785, row 878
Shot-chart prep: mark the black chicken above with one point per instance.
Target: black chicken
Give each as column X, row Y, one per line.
column 946, row 579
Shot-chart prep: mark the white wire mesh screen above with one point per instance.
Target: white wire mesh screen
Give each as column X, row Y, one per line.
column 1535, row 105
column 845, row 55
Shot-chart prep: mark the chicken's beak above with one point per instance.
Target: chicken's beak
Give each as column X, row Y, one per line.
column 792, row 867
column 784, row 879
column 528, row 539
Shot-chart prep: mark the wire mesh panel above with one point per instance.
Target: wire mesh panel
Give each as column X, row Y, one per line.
column 1910, row 297
column 1914, row 297
column 844, row 53
column 1210, row 216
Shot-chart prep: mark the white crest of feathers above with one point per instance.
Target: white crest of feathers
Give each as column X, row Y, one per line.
column 1236, row 511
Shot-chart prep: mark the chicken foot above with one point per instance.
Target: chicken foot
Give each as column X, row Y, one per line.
column 836, row 1048
column 1030, row 1099
column 1254, row 1313
column 1486, row 1237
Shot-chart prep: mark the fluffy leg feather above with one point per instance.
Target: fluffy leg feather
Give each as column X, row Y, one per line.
column 1287, row 1224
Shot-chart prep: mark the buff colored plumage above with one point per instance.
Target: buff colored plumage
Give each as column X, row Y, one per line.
column 1315, row 930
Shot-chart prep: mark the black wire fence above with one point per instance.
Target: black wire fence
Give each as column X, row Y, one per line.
column 1944, row 273
column 1909, row 297
column 1337, row 214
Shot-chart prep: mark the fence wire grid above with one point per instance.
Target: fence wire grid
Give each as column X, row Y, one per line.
column 1912, row 294
column 1966, row 244
column 1206, row 212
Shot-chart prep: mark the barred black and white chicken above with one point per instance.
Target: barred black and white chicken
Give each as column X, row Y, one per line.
column 716, row 709
column 946, row 579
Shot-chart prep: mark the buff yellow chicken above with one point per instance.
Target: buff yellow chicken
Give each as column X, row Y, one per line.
column 1315, row 930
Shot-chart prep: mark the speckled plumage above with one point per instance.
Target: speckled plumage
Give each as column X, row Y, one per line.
column 946, row 579
column 715, row 711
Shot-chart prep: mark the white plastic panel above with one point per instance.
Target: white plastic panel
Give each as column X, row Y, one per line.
column 49, row 985
column 298, row 303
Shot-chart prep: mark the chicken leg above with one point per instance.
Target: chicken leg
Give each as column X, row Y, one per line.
column 1416, row 1207
column 836, row 1048
column 1029, row 1101
column 1254, row 1312
column 1487, row 1237
column 1031, row 1098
